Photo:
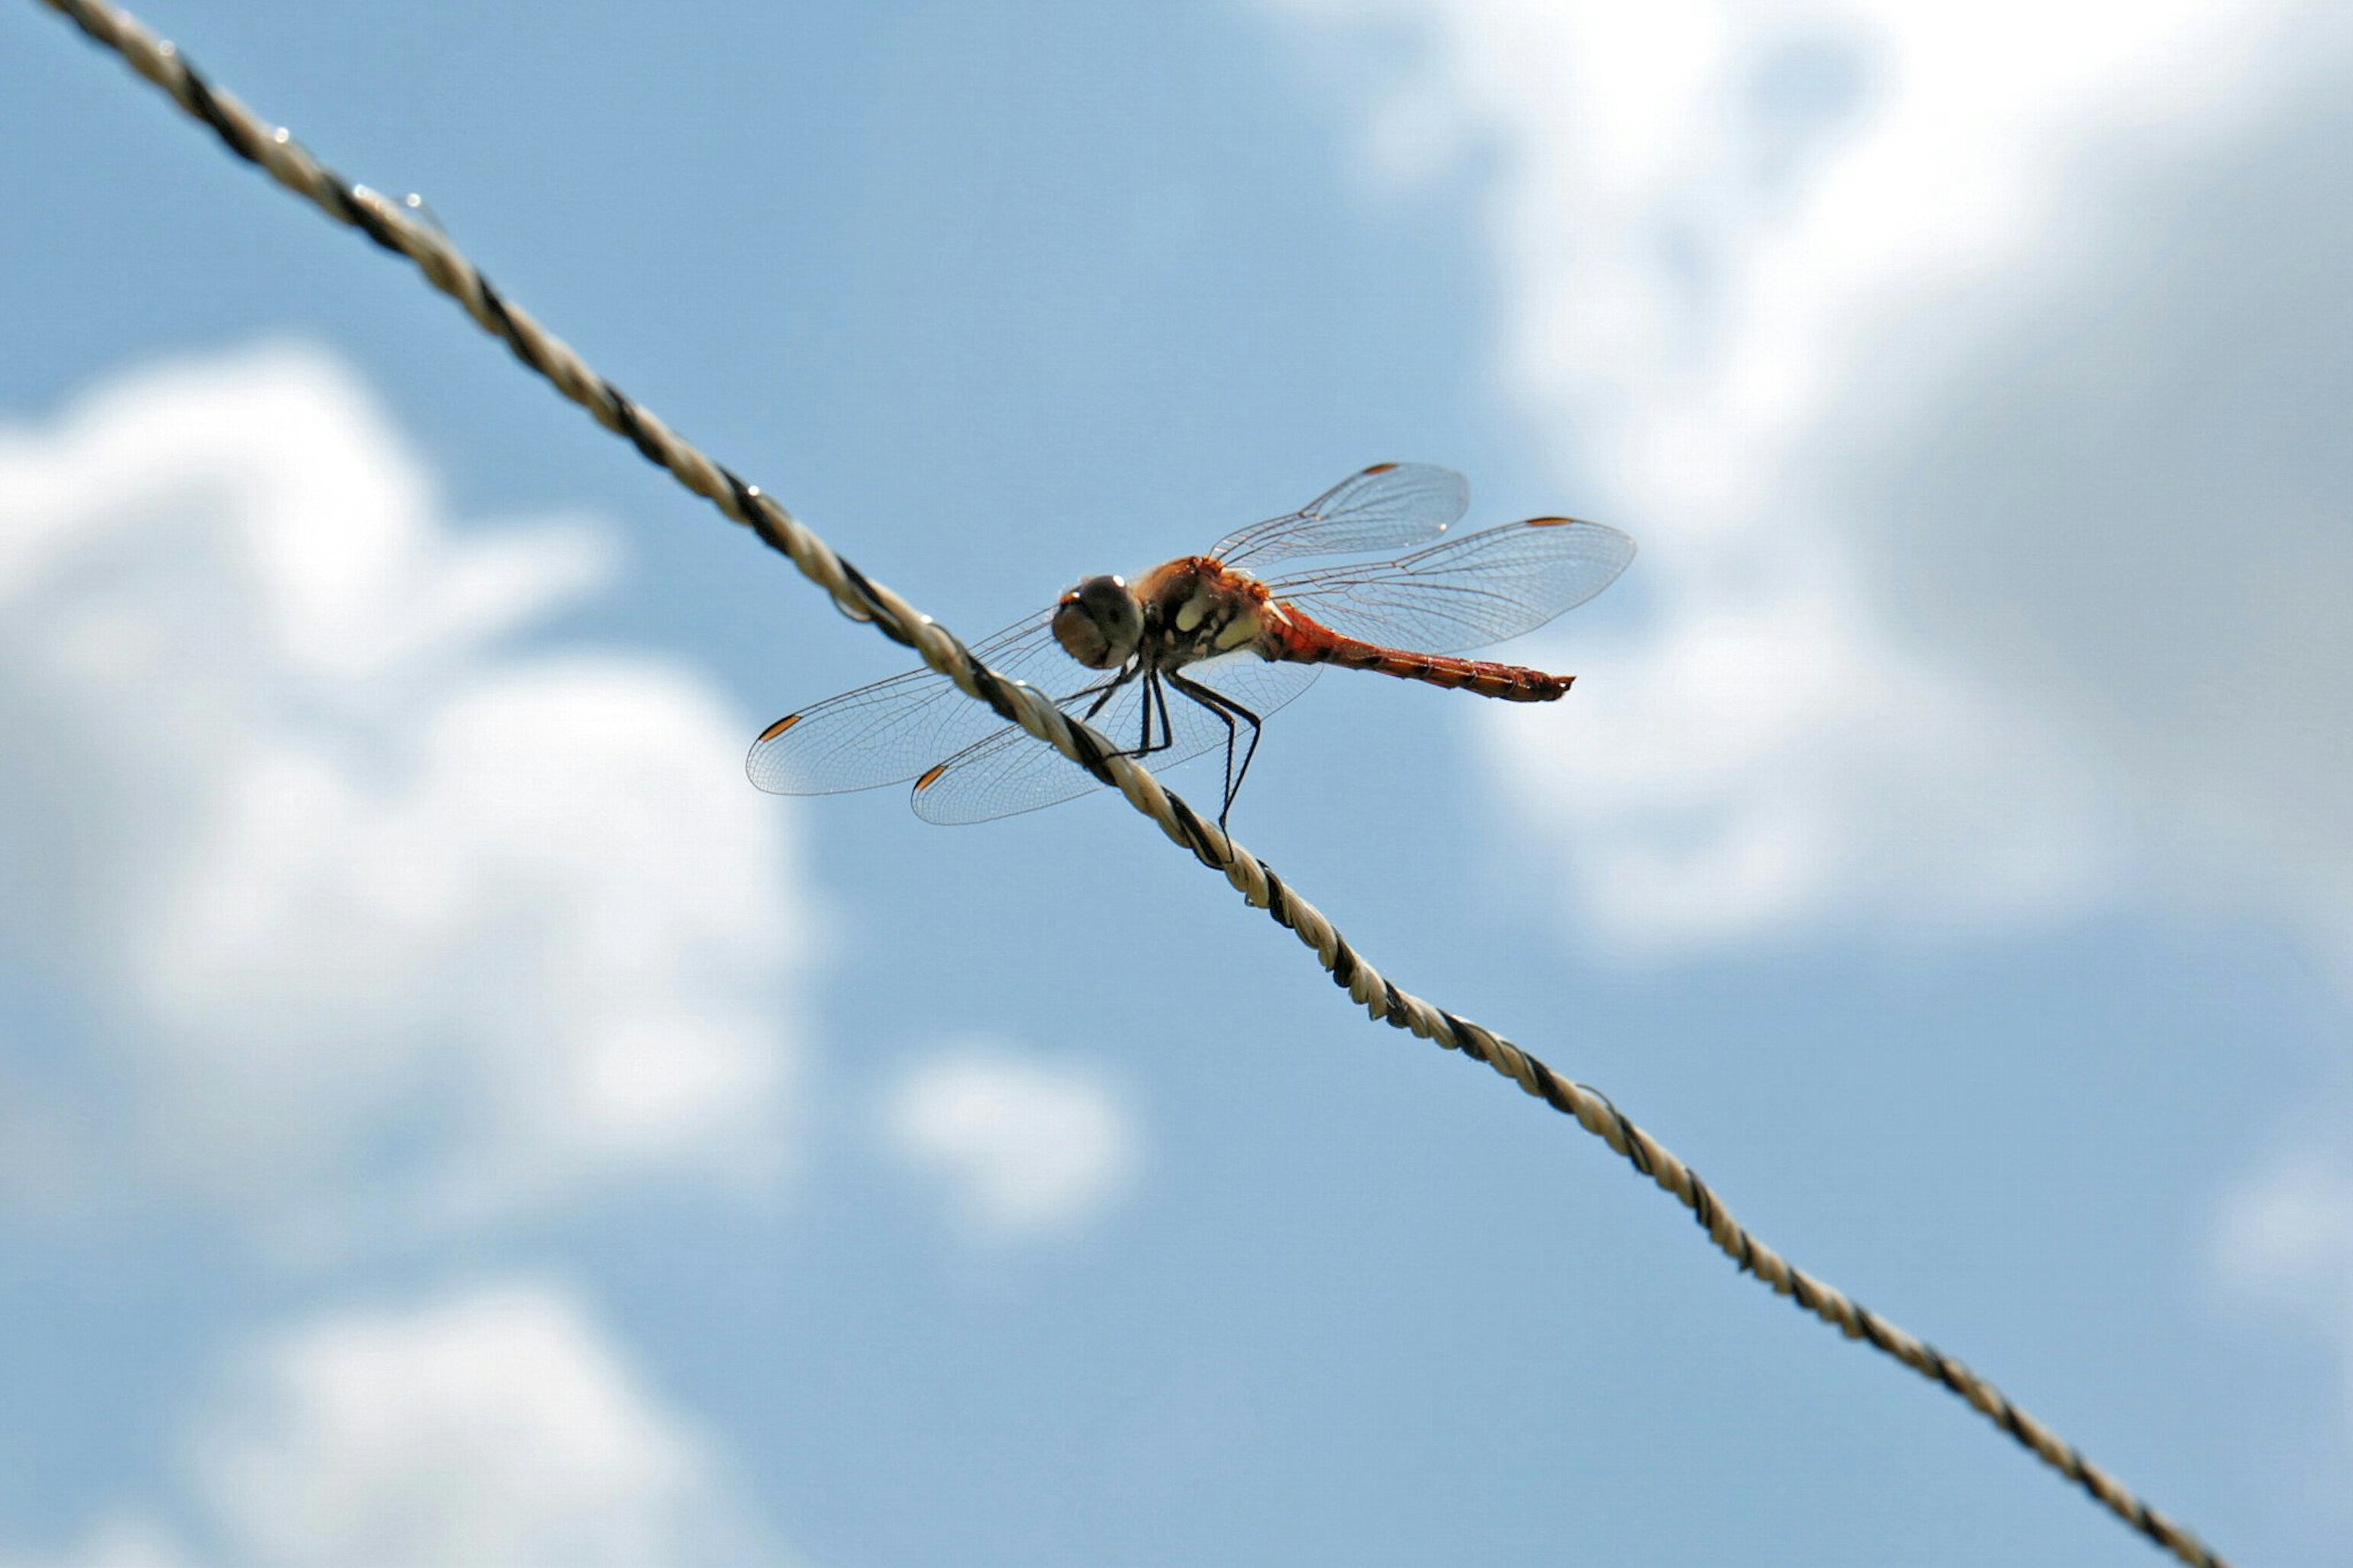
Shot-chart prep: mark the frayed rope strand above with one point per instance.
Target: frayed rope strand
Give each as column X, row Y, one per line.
column 394, row 229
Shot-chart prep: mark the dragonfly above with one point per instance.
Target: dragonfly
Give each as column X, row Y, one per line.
column 1196, row 653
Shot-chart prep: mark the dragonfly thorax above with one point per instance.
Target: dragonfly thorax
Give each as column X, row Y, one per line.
column 1197, row 607
column 1098, row 623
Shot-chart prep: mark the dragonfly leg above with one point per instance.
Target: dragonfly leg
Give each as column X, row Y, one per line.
column 1154, row 695
column 1154, row 690
column 1226, row 709
column 1101, row 693
column 1104, row 691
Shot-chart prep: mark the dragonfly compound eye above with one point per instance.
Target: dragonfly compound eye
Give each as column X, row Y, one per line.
column 1098, row 623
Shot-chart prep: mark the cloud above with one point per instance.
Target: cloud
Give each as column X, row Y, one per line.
column 1977, row 381
column 360, row 920
column 1746, row 255
column 2284, row 1245
column 497, row 1425
column 2134, row 505
column 1761, row 766
column 2286, row 1236
column 119, row 1543
column 1024, row 1148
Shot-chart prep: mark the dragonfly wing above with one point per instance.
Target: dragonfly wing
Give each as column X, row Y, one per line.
column 891, row 730
column 1388, row 507
column 1465, row 592
column 1012, row 772
column 1258, row 685
column 1006, row 775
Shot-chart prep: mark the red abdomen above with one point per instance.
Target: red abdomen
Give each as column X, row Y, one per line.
column 1312, row 643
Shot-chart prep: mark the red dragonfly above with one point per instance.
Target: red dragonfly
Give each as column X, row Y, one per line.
column 1235, row 647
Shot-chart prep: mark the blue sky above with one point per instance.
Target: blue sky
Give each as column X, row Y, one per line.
column 449, row 1116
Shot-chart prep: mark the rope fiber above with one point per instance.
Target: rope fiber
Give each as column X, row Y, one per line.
column 397, row 229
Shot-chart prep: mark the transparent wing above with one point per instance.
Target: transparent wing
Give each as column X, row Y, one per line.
column 1388, row 507
column 1465, row 592
column 1012, row 772
column 890, row 732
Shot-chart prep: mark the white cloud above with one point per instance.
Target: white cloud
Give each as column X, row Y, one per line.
column 383, row 924
column 124, row 1542
column 2286, row 1235
column 1976, row 378
column 497, row 1426
column 2285, row 1244
column 1760, row 766
column 1746, row 254
column 1024, row 1147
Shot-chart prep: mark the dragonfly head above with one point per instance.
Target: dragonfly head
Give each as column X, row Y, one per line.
column 1098, row 623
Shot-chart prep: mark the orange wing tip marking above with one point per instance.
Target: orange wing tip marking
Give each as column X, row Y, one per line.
column 780, row 726
column 1381, row 468
column 931, row 776
column 1549, row 521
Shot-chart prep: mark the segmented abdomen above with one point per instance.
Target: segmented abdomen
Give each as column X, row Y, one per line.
column 1509, row 682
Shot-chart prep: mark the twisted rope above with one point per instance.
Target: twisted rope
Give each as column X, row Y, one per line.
column 391, row 226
